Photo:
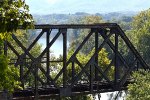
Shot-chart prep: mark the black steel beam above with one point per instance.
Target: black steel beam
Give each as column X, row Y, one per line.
column 48, row 54
column 74, row 26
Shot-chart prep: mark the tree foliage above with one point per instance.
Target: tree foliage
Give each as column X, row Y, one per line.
column 8, row 75
column 81, row 34
column 12, row 14
column 141, row 33
column 103, row 60
column 140, row 89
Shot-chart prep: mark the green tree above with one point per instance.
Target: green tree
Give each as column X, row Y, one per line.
column 103, row 60
column 8, row 75
column 124, row 22
column 140, row 89
column 12, row 14
column 80, row 34
column 141, row 33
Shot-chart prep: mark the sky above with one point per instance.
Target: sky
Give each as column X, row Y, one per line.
column 89, row 6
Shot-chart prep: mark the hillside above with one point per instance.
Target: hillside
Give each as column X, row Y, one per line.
column 68, row 18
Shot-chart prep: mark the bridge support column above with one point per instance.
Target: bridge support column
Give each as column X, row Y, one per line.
column 64, row 33
column 21, row 76
column 117, row 76
column 91, row 78
column 96, row 57
column 48, row 55
column 73, row 71
column 23, row 61
column 36, row 66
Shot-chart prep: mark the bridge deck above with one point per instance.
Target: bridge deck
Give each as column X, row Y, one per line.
column 79, row 89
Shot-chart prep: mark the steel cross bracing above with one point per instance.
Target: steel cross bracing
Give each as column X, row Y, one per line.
column 97, row 79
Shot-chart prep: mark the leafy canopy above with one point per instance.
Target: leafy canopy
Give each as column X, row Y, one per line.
column 141, row 33
column 12, row 14
column 8, row 75
column 140, row 89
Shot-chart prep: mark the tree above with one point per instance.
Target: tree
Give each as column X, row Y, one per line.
column 141, row 33
column 124, row 22
column 103, row 60
column 80, row 34
column 140, row 89
column 12, row 14
column 8, row 75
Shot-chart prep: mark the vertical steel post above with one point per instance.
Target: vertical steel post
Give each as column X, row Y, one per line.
column 48, row 55
column 21, row 76
column 73, row 71
column 91, row 78
column 22, row 63
column 116, row 59
column 96, row 57
column 36, row 64
column 64, row 33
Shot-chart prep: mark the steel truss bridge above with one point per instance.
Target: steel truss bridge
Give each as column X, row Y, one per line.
column 90, row 78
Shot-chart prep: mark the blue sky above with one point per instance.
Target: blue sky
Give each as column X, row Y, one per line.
column 89, row 6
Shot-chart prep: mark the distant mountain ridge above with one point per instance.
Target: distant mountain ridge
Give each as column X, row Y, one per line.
column 65, row 18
